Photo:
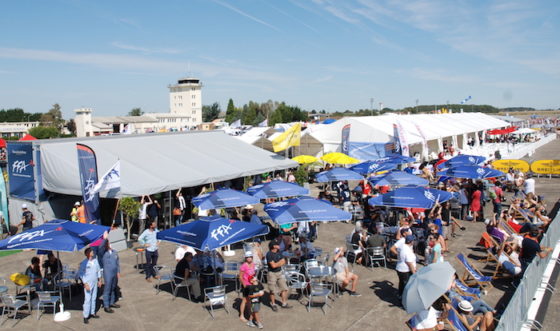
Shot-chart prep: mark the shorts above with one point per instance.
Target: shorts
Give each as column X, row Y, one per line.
column 445, row 231
column 255, row 307
column 276, row 282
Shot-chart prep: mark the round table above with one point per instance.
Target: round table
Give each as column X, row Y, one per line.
column 139, row 256
column 3, row 289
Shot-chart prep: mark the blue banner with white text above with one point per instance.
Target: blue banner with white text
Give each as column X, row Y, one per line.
column 345, row 148
column 367, row 151
column 88, row 178
column 21, row 176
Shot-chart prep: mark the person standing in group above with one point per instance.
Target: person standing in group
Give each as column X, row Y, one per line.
column 153, row 211
column 82, row 213
column 276, row 278
column 111, row 273
column 406, row 264
column 145, row 201
column 476, row 207
column 74, row 212
column 27, row 218
column 182, row 206
column 90, row 274
column 246, row 272
column 255, row 291
column 148, row 238
column 497, row 195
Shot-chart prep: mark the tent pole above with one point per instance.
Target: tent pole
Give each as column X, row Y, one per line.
column 115, row 213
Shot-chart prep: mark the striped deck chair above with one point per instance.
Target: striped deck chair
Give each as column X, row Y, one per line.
column 412, row 323
column 491, row 247
column 507, row 229
column 467, row 290
column 472, row 274
column 498, row 249
column 453, row 318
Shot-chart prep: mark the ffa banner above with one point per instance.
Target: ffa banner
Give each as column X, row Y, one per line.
column 505, row 165
column 21, row 177
column 289, row 138
column 400, row 147
column 345, row 137
column 546, row 167
column 424, row 141
column 368, row 151
column 88, row 178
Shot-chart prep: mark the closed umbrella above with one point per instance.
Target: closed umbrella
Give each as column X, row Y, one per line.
column 305, row 209
column 223, row 198
column 472, row 172
column 426, row 286
column 411, row 197
column 277, row 189
column 337, row 174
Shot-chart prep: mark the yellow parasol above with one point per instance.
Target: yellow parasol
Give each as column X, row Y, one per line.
column 339, row 158
column 303, row 159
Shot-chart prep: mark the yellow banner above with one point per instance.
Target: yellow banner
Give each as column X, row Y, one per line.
column 289, row 138
column 546, row 167
column 505, row 165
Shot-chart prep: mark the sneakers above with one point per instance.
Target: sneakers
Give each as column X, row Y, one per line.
column 355, row 294
column 86, row 321
column 274, row 307
column 286, row 306
column 115, row 305
column 251, row 324
column 259, row 325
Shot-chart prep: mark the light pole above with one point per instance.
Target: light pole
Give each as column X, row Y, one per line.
column 371, row 100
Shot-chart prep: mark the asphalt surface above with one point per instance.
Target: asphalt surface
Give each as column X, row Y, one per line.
column 377, row 308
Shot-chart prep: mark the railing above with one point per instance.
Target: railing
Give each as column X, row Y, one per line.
column 516, row 313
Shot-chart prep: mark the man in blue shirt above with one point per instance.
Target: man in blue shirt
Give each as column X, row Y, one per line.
column 148, row 239
column 111, row 273
column 90, row 274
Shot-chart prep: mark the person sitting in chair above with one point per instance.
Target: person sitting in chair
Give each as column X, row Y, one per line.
column 343, row 274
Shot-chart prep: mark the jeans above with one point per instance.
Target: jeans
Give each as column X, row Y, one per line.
column 403, row 279
column 479, row 306
column 151, row 261
column 109, row 289
column 510, row 267
column 497, row 207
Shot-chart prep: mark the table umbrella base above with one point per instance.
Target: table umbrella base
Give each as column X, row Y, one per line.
column 62, row 316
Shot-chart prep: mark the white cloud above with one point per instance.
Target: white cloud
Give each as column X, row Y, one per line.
column 249, row 16
column 129, row 47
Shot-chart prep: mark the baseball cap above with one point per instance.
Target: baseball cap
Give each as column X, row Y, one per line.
column 336, row 250
column 410, row 238
column 487, row 221
column 24, row 206
column 404, row 231
column 248, row 254
column 465, row 306
column 77, row 203
column 249, row 207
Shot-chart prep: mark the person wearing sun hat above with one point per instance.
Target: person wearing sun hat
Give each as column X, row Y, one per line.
column 246, row 272
column 474, row 322
column 343, row 274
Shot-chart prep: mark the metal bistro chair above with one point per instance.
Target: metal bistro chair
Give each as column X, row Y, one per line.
column 297, row 281
column 47, row 299
column 231, row 273
column 177, row 283
column 63, row 281
column 319, row 290
column 291, row 268
column 165, row 274
column 12, row 302
column 352, row 251
column 216, row 296
column 376, row 254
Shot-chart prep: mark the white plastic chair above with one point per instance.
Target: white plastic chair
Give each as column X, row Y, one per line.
column 216, row 297
column 47, row 299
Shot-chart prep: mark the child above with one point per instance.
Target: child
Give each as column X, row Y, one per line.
column 255, row 292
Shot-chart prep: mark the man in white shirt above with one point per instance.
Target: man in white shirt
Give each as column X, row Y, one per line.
column 529, row 186
column 406, row 263
column 182, row 250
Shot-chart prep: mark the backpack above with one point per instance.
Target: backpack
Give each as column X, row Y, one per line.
column 492, row 194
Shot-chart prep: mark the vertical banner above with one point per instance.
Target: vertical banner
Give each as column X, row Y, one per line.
column 401, row 147
column 88, row 178
column 21, row 175
column 344, row 146
column 424, row 141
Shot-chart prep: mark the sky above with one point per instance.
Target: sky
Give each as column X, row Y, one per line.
column 113, row 56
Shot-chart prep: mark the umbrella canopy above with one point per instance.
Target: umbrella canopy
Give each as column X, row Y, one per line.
column 472, row 171
column 524, row 131
column 336, row 174
column 339, row 158
column 223, row 198
column 277, row 189
column 426, row 286
column 411, row 197
column 27, row 137
column 56, row 235
column 2, row 143
column 304, row 209
column 461, row 160
column 398, row 178
column 210, row 233
column 372, row 166
column 304, row 159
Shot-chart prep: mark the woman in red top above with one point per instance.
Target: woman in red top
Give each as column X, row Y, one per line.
column 475, row 204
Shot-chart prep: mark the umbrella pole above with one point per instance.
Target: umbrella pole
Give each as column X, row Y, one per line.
column 115, row 213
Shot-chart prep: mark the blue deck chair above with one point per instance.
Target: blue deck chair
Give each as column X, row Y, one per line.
column 470, row 291
column 472, row 274
column 453, row 318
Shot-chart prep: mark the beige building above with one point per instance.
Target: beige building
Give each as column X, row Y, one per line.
column 185, row 113
column 16, row 129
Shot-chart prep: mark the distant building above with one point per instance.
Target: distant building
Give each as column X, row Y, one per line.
column 16, row 129
column 185, row 113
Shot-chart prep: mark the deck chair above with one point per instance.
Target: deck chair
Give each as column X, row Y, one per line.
column 495, row 257
column 466, row 290
column 412, row 323
column 491, row 247
column 472, row 274
column 508, row 230
column 453, row 318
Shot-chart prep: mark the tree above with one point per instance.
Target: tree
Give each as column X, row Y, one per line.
column 71, row 126
column 210, row 113
column 249, row 113
column 56, row 115
column 230, row 112
column 44, row 132
column 136, row 112
column 130, row 208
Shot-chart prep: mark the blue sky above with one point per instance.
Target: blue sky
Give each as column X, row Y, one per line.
column 333, row 55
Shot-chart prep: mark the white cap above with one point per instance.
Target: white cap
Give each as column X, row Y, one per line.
column 249, row 207
column 336, row 250
column 24, row 206
column 248, row 254
column 487, row 221
column 77, row 203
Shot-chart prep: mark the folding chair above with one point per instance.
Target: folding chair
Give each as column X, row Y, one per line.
column 412, row 322
column 467, row 290
column 216, row 297
column 472, row 274
column 453, row 318
column 491, row 246
column 47, row 299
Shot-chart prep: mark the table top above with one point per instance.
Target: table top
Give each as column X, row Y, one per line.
column 320, row 271
column 3, row 289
